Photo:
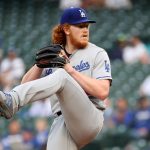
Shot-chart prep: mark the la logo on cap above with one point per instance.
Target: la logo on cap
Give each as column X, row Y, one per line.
column 82, row 13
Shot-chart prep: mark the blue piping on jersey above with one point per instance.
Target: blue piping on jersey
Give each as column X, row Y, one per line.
column 103, row 77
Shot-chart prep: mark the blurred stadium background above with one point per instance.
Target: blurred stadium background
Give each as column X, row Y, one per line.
column 26, row 25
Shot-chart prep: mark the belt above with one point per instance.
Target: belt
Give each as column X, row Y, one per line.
column 59, row 113
column 91, row 97
column 102, row 108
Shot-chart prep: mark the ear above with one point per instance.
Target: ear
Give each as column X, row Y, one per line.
column 66, row 29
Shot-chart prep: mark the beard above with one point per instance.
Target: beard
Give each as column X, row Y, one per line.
column 79, row 44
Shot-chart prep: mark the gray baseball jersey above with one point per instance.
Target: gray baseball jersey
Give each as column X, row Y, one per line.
column 92, row 61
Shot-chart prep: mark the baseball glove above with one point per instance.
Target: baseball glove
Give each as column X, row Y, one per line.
column 52, row 56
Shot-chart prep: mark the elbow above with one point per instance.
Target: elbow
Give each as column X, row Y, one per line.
column 103, row 95
column 22, row 81
column 103, row 89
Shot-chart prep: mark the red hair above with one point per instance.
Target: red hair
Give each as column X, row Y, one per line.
column 58, row 35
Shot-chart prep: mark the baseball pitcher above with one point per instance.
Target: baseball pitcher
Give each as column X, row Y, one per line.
column 77, row 78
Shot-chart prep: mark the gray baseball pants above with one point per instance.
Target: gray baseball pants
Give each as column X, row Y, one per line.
column 80, row 121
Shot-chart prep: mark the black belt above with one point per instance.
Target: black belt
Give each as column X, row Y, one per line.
column 97, row 106
column 59, row 113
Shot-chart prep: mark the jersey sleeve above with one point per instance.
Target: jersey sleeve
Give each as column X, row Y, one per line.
column 102, row 66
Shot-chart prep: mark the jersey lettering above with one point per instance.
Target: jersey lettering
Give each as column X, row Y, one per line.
column 82, row 66
column 48, row 71
column 107, row 66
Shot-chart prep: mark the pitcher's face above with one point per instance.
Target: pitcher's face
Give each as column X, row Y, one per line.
column 79, row 35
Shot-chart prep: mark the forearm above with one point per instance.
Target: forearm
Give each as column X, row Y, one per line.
column 34, row 73
column 94, row 87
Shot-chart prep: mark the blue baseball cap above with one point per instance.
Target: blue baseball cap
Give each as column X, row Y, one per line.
column 74, row 15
